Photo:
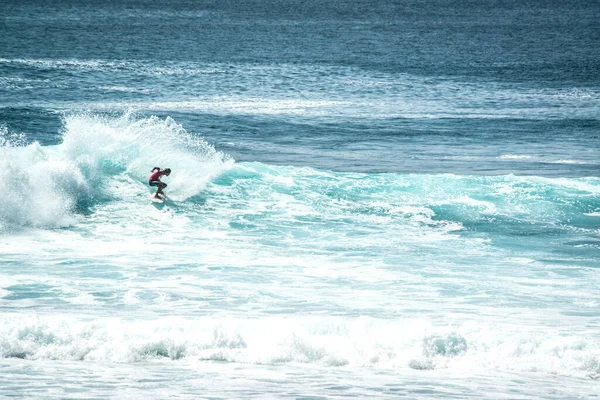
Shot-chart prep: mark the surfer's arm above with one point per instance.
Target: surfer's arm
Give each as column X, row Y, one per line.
column 154, row 169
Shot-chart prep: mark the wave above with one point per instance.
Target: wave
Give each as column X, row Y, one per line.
column 50, row 186
column 329, row 342
column 105, row 159
column 448, row 203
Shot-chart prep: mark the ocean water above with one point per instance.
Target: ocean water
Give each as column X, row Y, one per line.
column 369, row 199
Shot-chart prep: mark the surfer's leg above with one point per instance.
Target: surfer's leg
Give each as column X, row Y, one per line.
column 161, row 186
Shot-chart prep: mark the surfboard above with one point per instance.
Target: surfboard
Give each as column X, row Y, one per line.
column 157, row 199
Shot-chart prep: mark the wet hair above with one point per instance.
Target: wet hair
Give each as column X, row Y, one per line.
column 168, row 170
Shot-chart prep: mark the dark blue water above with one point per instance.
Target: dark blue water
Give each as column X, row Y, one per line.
column 547, row 41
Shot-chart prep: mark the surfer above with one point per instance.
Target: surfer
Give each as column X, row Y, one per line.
column 154, row 180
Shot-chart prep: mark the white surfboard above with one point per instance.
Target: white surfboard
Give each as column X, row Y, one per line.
column 157, row 199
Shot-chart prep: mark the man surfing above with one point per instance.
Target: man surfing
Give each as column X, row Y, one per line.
column 154, row 180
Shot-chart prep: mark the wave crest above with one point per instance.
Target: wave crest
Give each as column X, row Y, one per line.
column 100, row 158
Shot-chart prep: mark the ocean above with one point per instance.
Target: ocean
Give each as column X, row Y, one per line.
column 368, row 199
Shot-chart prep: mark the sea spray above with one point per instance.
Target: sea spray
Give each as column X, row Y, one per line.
column 105, row 146
column 40, row 188
column 48, row 186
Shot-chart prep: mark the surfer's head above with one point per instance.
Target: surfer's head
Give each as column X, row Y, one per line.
column 168, row 171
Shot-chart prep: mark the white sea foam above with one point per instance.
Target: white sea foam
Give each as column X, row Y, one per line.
column 524, row 157
column 485, row 207
column 44, row 189
column 328, row 342
column 73, row 63
column 516, row 157
column 573, row 162
column 126, row 89
column 588, row 185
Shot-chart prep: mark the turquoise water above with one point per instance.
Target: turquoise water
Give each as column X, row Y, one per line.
column 367, row 200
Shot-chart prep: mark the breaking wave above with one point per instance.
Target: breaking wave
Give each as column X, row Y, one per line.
column 331, row 342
